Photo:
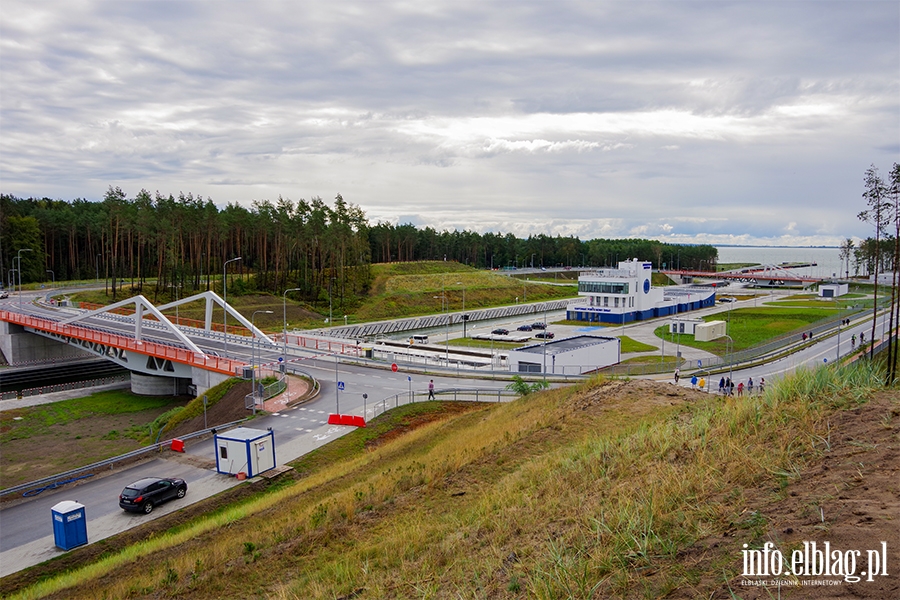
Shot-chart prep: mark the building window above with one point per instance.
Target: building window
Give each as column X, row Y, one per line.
column 617, row 302
column 602, row 287
column 606, row 301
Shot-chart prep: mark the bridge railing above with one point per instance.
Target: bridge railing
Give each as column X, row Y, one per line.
column 173, row 353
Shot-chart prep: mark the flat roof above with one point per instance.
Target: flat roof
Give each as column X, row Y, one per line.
column 565, row 344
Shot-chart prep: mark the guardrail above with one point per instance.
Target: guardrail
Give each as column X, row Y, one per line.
column 55, row 480
column 61, row 387
column 454, row 395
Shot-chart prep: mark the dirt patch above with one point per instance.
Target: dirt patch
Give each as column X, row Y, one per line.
column 849, row 498
column 638, row 396
column 445, row 410
column 228, row 409
column 74, row 444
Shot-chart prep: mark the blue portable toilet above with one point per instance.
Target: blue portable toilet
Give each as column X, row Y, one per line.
column 69, row 524
column 245, row 451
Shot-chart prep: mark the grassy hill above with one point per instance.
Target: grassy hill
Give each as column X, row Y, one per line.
column 398, row 290
column 628, row 489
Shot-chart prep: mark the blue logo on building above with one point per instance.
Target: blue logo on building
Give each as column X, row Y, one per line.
column 646, row 286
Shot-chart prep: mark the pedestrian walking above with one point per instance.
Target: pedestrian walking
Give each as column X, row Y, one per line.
column 676, row 375
column 702, row 383
column 722, row 386
column 693, row 382
column 762, row 385
column 750, row 387
column 741, row 389
column 431, row 389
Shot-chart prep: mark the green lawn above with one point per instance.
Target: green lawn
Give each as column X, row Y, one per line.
column 751, row 327
column 36, row 419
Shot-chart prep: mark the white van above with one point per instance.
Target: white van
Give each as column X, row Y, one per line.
column 418, row 339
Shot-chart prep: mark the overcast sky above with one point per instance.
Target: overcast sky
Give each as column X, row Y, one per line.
column 710, row 122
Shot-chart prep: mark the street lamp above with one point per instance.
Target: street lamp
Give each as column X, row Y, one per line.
column 97, row 267
column 19, row 256
column 225, row 300
column 284, row 304
column 253, row 355
column 52, row 277
column 532, row 259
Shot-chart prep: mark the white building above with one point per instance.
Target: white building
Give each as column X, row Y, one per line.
column 625, row 294
column 833, row 290
column 567, row 356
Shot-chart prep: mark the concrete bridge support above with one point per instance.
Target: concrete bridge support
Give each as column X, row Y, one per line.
column 19, row 346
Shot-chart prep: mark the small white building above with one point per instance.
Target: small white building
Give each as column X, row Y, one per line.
column 833, row 290
column 685, row 325
column 567, row 356
column 245, row 450
column 625, row 294
column 713, row 330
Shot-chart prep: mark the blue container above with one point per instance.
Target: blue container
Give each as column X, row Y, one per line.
column 69, row 524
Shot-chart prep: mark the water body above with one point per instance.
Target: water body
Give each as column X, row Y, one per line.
column 828, row 261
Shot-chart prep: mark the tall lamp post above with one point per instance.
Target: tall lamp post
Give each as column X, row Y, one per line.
column 19, row 256
column 253, row 354
column 97, row 267
column 284, row 305
column 52, row 277
column 225, row 301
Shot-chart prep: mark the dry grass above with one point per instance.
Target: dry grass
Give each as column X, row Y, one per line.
column 583, row 492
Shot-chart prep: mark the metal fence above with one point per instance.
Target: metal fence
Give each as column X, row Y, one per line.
column 827, row 326
column 32, row 488
column 449, row 395
column 61, row 387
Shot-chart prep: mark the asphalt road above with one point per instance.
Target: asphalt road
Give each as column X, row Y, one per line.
column 26, row 532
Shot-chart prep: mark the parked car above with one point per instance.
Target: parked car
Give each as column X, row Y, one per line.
column 523, row 328
column 4, row 294
column 539, row 326
column 727, row 299
column 544, row 335
column 500, row 332
column 144, row 494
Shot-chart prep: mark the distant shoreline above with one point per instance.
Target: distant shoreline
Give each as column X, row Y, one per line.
column 796, row 247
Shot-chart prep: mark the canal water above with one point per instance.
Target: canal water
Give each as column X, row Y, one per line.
column 828, row 261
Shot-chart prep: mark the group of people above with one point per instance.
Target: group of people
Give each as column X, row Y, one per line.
column 726, row 385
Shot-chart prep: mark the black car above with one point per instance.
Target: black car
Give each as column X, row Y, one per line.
column 500, row 332
column 544, row 335
column 524, row 328
column 143, row 495
column 539, row 326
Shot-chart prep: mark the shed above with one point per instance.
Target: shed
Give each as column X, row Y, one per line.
column 245, row 450
column 833, row 290
column 568, row 356
column 685, row 325
column 712, row 330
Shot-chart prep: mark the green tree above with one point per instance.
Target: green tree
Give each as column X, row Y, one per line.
column 879, row 215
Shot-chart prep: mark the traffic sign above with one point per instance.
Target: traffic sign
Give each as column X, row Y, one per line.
column 699, row 363
column 408, row 378
column 341, row 385
column 280, row 359
column 394, row 367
